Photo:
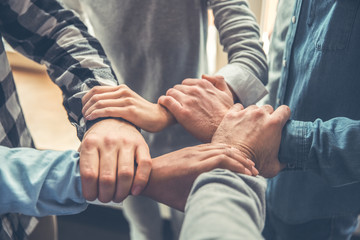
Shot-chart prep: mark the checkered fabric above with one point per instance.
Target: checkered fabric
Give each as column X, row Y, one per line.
column 44, row 31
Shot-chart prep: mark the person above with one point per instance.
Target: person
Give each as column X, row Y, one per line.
column 226, row 205
column 316, row 196
column 170, row 47
column 171, row 178
column 51, row 183
column 45, row 32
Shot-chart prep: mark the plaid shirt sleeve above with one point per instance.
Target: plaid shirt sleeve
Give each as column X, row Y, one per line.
column 47, row 33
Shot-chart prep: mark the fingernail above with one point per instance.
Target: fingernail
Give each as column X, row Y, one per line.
column 255, row 171
column 250, row 162
column 136, row 191
column 247, row 172
column 88, row 117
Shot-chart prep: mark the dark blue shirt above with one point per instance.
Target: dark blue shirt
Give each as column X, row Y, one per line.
column 320, row 82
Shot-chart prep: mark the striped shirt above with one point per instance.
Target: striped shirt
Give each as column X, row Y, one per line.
column 43, row 31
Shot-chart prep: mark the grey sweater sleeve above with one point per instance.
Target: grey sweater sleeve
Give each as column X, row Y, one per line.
column 225, row 205
column 247, row 71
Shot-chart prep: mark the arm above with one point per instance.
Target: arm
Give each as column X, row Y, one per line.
column 197, row 105
column 246, row 72
column 47, row 33
column 173, row 174
column 122, row 102
column 256, row 131
column 328, row 148
column 216, row 201
column 39, row 183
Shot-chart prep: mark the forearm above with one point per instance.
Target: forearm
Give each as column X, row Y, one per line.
column 40, row 183
column 246, row 72
column 225, row 205
column 57, row 38
column 327, row 148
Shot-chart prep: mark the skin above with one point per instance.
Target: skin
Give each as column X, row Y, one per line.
column 199, row 104
column 173, row 174
column 107, row 156
column 122, row 102
column 255, row 131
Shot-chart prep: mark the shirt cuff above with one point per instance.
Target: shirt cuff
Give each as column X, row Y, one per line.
column 248, row 88
column 294, row 147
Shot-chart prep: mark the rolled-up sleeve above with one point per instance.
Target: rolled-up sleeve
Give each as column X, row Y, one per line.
column 247, row 72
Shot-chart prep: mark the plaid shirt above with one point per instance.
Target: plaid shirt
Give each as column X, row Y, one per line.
column 43, row 31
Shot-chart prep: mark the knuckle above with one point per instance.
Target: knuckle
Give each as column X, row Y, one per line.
column 204, row 83
column 89, row 175
column 95, row 89
column 125, row 173
column 110, row 140
column 90, row 141
column 146, row 162
column 170, row 92
column 128, row 101
column 107, row 180
column 108, row 111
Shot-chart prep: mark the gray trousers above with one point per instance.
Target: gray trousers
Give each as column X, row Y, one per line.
column 225, row 205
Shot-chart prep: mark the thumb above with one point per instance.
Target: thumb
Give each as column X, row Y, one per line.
column 283, row 113
column 217, row 81
column 237, row 107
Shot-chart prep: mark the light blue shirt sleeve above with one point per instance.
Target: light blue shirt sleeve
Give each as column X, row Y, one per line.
column 40, row 183
column 328, row 148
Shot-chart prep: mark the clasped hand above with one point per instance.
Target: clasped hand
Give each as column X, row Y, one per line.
column 122, row 102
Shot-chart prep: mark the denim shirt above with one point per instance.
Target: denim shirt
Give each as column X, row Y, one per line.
column 320, row 82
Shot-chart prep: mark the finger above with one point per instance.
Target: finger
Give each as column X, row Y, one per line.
column 125, row 174
column 185, row 89
column 237, row 107
column 111, row 112
column 217, row 81
column 113, row 93
column 112, row 104
column 89, row 171
column 98, row 90
column 226, row 162
column 191, row 81
column 176, row 94
column 107, row 176
column 268, row 108
column 143, row 170
column 170, row 103
column 283, row 113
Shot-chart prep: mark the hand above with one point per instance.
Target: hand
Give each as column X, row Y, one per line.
column 199, row 105
column 107, row 156
column 173, row 174
column 256, row 131
column 122, row 102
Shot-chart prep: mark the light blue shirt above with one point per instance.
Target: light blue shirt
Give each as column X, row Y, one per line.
column 40, row 183
column 320, row 82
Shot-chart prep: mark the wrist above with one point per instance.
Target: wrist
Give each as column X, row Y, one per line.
column 248, row 151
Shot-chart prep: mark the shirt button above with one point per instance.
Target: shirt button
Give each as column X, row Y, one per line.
column 293, row 19
column 284, row 63
column 278, row 101
column 291, row 165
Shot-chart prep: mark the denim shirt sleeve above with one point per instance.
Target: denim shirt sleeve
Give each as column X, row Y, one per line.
column 328, row 148
column 40, row 183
